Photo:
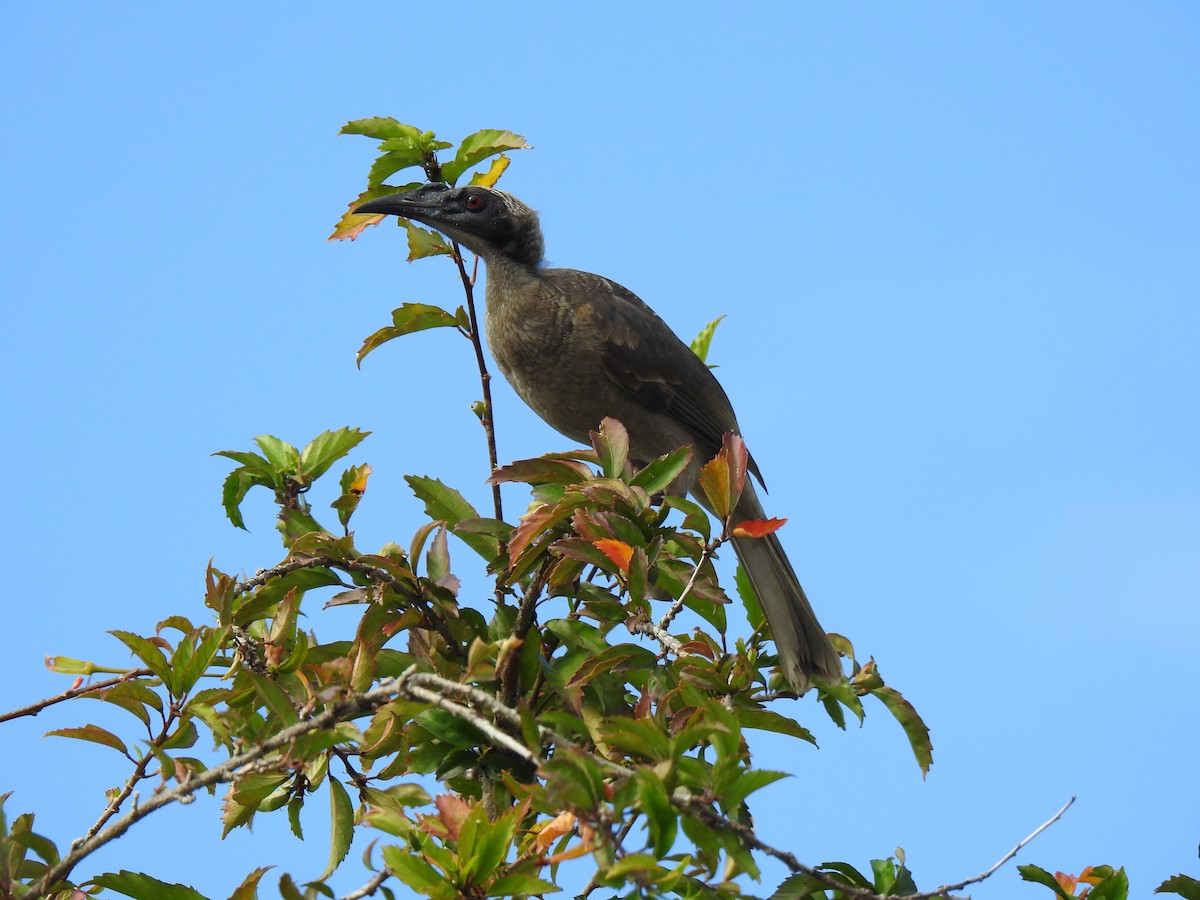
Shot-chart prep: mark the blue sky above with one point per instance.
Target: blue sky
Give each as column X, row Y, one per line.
column 957, row 248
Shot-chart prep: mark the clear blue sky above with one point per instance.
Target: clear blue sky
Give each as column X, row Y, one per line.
column 958, row 246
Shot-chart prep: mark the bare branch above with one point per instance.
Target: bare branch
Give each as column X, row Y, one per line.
column 71, row 693
column 370, row 887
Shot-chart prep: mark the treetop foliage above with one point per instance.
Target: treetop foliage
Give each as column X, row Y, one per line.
column 589, row 720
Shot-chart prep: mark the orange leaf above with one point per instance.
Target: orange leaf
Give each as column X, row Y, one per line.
column 757, row 528
column 553, row 830
column 359, row 485
column 618, row 551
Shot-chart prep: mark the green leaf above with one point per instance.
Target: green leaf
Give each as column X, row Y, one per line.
column 150, row 655
column 422, row 242
column 657, row 476
column 747, row 782
column 701, row 341
column 618, row 658
column 326, row 449
column 414, row 871
column 248, row 889
column 93, row 733
column 768, row 720
column 1040, row 876
column 275, row 699
column 477, row 147
column 1183, row 885
column 661, row 817
column 396, row 158
column 143, row 887
column 341, row 814
column 911, row 722
column 282, row 456
column 516, row 884
column 382, row 128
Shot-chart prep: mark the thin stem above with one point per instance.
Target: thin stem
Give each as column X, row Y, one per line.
column 485, row 377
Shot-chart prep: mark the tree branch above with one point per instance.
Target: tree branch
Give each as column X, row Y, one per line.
column 71, row 693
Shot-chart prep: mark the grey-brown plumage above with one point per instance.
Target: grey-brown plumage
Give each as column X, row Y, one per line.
column 578, row 347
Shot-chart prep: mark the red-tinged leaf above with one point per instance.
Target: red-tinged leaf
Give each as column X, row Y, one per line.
column 93, row 733
column 715, row 482
column 617, row 658
column 542, row 470
column 618, row 551
column 914, row 727
column 452, row 812
column 698, row 648
column 351, row 224
column 611, row 444
column 757, row 528
column 533, row 523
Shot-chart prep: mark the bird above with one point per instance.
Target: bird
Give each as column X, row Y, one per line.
column 578, row 347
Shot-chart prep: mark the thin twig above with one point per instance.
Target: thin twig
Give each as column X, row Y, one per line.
column 485, row 377
column 945, row 889
column 370, row 887
column 71, row 693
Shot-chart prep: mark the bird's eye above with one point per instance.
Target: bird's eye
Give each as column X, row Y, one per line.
column 474, row 202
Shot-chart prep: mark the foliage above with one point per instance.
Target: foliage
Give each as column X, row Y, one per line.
column 566, row 719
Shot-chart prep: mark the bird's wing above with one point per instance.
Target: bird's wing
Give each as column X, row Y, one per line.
column 642, row 355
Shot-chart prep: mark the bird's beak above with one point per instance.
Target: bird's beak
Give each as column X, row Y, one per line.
column 417, row 203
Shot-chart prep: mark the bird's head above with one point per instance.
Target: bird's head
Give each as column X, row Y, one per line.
column 487, row 221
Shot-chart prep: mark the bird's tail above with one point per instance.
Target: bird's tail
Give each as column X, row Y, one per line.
column 804, row 650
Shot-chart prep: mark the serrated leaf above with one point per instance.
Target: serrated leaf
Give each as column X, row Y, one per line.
column 492, row 175
column 914, row 727
column 341, row 814
column 382, row 128
column 93, row 733
column 700, row 343
column 477, row 147
column 398, row 156
column 1038, row 875
column 661, row 816
column 248, row 889
column 324, row 450
column 611, row 444
column 617, row 658
column 423, row 243
column 144, row 887
column 282, row 456
column 149, row 653
column 1183, row 885
column 747, row 782
column 658, row 475
column 768, row 720
column 515, row 885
